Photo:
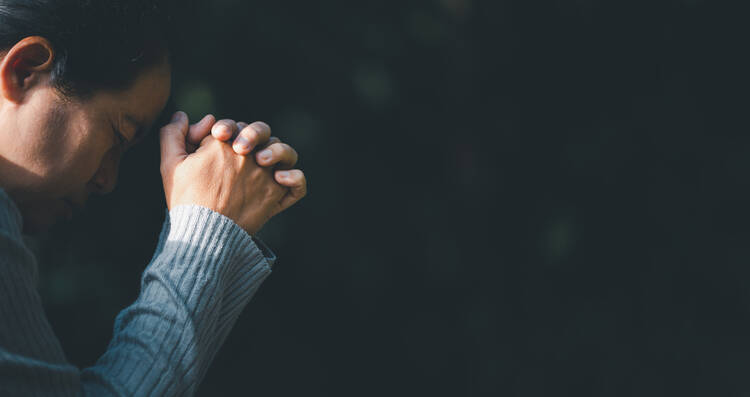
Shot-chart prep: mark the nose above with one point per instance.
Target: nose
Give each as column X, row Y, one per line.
column 105, row 179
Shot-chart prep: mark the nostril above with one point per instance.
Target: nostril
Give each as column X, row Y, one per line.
column 103, row 183
column 105, row 179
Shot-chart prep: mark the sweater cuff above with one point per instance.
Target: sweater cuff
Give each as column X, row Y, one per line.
column 267, row 253
column 214, row 235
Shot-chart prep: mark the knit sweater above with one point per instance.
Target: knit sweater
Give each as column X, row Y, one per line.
column 203, row 273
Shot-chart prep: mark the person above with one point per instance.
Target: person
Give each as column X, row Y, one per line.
column 80, row 83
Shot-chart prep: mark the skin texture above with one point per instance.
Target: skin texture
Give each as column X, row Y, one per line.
column 236, row 185
column 56, row 151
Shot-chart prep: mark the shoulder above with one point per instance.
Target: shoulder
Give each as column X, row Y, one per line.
column 10, row 216
column 13, row 249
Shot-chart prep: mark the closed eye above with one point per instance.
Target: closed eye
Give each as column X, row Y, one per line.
column 122, row 142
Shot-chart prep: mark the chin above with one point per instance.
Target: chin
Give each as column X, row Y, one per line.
column 34, row 225
column 40, row 219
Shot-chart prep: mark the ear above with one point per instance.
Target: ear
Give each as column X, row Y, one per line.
column 25, row 66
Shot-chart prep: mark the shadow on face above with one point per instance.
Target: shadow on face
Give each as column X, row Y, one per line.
column 55, row 151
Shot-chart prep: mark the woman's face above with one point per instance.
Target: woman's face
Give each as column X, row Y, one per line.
column 55, row 152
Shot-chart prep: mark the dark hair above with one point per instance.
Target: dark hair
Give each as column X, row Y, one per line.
column 99, row 44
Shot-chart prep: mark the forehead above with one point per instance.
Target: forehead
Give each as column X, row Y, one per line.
column 151, row 89
column 145, row 98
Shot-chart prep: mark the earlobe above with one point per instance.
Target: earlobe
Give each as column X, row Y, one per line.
column 25, row 65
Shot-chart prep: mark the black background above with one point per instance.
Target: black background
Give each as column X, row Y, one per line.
column 518, row 198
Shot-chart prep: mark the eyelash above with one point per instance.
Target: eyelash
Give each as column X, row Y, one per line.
column 120, row 138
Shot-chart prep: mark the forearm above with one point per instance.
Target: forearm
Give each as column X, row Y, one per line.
column 191, row 294
column 205, row 272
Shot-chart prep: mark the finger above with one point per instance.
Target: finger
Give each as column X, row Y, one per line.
column 270, row 142
column 296, row 181
column 200, row 130
column 224, row 130
column 250, row 137
column 281, row 154
column 241, row 125
column 172, row 139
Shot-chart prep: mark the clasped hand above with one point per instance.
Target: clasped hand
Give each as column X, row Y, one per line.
column 200, row 167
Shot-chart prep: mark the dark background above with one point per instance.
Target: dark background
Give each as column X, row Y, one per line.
column 518, row 198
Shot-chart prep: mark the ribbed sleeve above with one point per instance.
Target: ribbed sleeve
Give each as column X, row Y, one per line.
column 204, row 272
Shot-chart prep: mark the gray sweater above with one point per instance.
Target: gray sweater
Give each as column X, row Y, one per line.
column 205, row 270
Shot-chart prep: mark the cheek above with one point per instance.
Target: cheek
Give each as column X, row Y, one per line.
column 74, row 151
column 86, row 157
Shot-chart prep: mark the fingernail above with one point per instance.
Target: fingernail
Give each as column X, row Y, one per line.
column 283, row 174
column 176, row 116
column 242, row 143
column 265, row 155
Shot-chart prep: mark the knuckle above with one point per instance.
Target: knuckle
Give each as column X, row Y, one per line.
column 288, row 151
column 261, row 127
column 218, row 128
column 223, row 126
column 249, row 134
column 292, row 151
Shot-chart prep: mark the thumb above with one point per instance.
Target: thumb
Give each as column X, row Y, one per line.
column 172, row 139
column 200, row 130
